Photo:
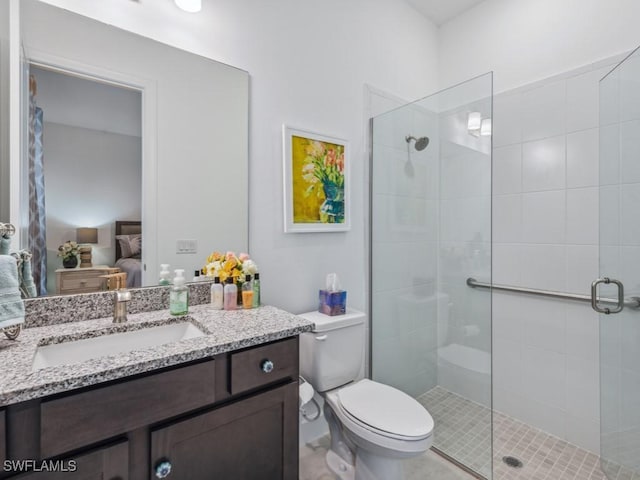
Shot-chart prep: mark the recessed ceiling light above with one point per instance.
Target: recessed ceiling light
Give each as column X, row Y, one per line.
column 191, row 6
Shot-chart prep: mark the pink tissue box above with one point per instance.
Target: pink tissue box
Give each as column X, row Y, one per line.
column 332, row 303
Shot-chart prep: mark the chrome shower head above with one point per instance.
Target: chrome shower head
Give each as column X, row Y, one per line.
column 421, row 143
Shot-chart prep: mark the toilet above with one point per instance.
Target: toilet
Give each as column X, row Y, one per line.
column 374, row 428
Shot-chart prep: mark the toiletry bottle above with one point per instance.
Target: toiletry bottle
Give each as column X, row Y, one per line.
column 196, row 276
column 164, row 274
column 217, row 294
column 179, row 295
column 247, row 292
column 256, row 290
column 230, row 295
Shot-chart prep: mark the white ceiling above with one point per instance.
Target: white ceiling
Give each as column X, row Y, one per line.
column 441, row 11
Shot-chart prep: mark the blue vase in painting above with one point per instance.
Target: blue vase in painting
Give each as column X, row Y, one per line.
column 332, row 209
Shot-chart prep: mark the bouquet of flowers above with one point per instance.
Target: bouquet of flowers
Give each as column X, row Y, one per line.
column 225, row 265
column 68, row 250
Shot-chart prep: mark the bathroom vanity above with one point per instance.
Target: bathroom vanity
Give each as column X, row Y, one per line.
column 220, row 405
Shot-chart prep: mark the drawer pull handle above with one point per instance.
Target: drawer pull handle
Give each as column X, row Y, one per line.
column 163, row 469
column 322, row 338
column 267, row 366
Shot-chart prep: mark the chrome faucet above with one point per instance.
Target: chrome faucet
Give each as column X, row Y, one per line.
column 120, row 301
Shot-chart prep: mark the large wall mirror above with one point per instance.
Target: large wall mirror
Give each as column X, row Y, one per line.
column 136, row 150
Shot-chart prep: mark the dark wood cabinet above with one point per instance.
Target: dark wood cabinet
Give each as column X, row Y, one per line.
column 248, row 440
column 106, row 463
column 226, row 417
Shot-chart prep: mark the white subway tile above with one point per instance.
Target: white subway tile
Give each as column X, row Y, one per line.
column 582, row 268
column 507, row 316
column 582, row 158
column 583, row 432
column 544, row 323
column 544, row 267
column 629, row 152
column 583, row 333
column 629, row 224
column 507, row 169
column 582, row 216
column 544, row 376
column 507, row 365
column 543, row 217
column 507, row 218
column 583, row 387
column 506, row 264
column 544, row 164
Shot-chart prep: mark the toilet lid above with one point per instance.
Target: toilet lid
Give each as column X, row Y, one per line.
column 386, row 408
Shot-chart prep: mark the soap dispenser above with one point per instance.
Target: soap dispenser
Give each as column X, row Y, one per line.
column 179, row 295
column 164, row 275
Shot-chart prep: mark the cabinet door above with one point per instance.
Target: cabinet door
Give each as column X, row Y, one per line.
column 252, row 439
column 107, row 463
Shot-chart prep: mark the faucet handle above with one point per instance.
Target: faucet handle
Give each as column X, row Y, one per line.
column 121, row 298
column 123, row 295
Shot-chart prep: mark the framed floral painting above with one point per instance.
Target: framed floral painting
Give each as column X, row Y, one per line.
column 316, row 182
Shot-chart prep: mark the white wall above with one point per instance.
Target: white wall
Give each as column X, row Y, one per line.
column 92, row 179
column 308, row 62
column 523, row 41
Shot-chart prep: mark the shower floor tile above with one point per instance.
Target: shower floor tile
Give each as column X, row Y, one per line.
column 463, row 432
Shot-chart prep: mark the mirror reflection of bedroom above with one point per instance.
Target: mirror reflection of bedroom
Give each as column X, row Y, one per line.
column 85, row 176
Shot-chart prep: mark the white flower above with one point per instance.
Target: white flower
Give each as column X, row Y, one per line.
column 249, row 267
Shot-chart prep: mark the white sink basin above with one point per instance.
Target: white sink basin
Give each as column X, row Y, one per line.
column 111, row 344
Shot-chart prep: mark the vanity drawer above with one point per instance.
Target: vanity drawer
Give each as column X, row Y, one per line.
column 258, row 366
column 84, row 418
column 78, row 282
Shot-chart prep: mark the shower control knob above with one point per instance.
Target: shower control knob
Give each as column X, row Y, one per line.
column 267, row 366
column 163, row 469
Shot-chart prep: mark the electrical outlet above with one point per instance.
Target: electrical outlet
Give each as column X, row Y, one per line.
column 186, row 246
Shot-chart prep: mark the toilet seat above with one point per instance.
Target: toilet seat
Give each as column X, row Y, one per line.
column 382, row 410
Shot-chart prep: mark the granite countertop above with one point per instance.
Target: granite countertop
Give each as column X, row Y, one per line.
column 224, row 331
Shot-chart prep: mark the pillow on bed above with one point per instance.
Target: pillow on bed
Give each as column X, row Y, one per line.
column 130, row 245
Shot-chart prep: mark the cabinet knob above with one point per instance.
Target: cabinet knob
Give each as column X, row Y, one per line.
column 163, row 469
column 267, row 366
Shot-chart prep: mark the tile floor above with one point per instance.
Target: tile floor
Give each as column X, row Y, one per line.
column 429, row 466
column 463, row 432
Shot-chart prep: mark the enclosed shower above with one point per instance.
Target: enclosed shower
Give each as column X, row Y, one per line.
column 430, row 231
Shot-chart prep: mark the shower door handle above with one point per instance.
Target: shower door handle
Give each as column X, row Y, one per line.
column 619, row 305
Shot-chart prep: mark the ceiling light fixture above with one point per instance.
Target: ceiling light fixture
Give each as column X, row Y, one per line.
column 191, row 6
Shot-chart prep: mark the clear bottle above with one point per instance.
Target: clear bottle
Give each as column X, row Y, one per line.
column 217, row 294
column 256, row 290
column 247, row 292
column 165, row 274
column 196, row 276
column 230, row 295
column 179, row 295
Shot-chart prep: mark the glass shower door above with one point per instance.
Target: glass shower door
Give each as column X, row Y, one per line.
column 430, row 232
column 620, row 270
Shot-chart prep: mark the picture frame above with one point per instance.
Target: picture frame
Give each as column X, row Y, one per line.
column 316, row 177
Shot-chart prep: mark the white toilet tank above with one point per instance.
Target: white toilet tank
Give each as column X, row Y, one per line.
column 331, row 355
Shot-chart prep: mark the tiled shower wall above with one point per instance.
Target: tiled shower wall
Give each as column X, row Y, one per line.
column 545, row 234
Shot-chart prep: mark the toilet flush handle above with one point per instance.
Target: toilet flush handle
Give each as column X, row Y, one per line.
column 321, row 338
